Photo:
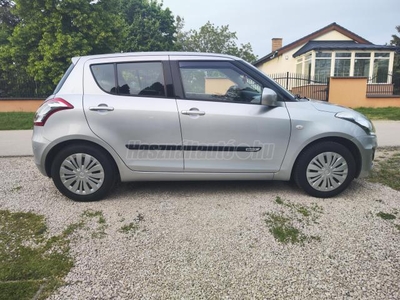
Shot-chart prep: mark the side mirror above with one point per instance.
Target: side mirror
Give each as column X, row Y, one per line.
column 269, row 97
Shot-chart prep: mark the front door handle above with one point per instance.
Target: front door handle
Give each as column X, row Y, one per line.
column 101, row 107
column 193, row 112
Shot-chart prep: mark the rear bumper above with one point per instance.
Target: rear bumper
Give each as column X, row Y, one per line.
column 39, row 144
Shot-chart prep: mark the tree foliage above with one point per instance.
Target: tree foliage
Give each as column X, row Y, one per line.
column 396, row 66
column 149, row 26
column 39, row 37
column 50, row 32
column 214, row 39
column 7, row 20
column 396, row 42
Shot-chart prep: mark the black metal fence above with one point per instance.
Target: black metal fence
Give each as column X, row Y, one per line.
column 19, row 85
column 388, row 88
column 305, row 86
column 318, row 88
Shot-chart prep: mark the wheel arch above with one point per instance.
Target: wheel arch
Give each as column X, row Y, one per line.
column 53, row 152
column 343, row 141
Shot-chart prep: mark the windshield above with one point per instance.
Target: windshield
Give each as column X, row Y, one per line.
column 283, row 90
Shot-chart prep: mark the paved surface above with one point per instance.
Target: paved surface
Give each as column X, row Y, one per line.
column 388, row 133
column 15, row 143
column 18, row 142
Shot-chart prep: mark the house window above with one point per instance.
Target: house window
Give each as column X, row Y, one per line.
column 307, row 66
column 381, row 68
column 322, row 66
column 342, row 64
column 361, row 64
column 299, row 66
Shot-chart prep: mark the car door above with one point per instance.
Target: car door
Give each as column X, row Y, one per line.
column 127, row 105
column 224, row 126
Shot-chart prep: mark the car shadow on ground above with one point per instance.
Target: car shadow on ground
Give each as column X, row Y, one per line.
column 172, row 189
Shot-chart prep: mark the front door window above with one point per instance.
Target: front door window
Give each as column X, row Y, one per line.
column 218, row 82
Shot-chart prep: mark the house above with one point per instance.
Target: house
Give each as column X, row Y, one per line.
column 330, row 51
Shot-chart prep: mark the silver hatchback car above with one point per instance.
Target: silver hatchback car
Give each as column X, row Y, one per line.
column 191, row 116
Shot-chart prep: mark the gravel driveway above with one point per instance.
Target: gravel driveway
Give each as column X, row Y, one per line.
column 209, row 240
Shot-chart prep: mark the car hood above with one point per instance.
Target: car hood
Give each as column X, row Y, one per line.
column 327, row 107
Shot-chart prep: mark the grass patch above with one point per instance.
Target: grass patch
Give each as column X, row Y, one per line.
column 381, row 113
column 32, row 264
column 132, row 227
column 286, row 225
column 387, row 171
column 16, row 189
column 389, row 217
column 100, row 230
column 16, row 120
column 386, row 216
column 283, row 230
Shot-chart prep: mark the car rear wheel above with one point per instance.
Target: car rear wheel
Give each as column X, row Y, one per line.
column 325, row 169
column 83, row 173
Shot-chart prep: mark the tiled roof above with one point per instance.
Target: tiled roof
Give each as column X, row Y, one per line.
column 311, row 36
column 339, row 45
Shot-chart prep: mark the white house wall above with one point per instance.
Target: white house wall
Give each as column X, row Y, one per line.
column 333, row 36
column 281, row 64
column 286, row 63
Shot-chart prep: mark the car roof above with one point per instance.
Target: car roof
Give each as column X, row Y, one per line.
column 199, row 55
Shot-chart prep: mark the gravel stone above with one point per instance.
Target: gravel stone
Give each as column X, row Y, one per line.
column 209, row 240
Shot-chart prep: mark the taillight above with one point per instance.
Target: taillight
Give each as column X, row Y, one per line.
column 48, row 108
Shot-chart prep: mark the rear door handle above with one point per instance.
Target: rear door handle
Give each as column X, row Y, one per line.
column 193, row 112
column 101, row 107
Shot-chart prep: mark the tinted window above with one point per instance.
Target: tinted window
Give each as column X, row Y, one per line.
column 218, row 81
column 141, row 79
column 105, row 78
column 133, row 79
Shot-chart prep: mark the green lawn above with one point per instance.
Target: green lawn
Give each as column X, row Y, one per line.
column 33, row 264
column 16, row 120
column 387, row 169
column 384, row 113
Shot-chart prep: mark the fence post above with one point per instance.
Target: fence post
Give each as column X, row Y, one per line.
column 328, row 80
column 287, row 80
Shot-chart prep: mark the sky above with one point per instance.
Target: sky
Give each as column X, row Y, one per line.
column 258, row 21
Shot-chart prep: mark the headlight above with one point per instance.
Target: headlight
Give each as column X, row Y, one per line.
column 358, row 119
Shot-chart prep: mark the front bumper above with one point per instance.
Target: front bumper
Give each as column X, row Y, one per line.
column 368, row 147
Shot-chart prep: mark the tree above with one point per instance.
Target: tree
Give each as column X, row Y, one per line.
column 7, row 20
column 396, row 67
column 396, row 42
column 211, row 38
column 149, row 26
column 50, row 32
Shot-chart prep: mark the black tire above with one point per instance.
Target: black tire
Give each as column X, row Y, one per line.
column 325, row 169
column 83, row 172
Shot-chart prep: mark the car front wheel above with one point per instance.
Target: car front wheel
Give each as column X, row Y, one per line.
column 325, row 169
column 83, row 173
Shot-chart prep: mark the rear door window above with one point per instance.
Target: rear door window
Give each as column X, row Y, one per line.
column 131, row 79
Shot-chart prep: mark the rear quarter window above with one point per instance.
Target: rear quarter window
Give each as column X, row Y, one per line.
column 105, row 77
